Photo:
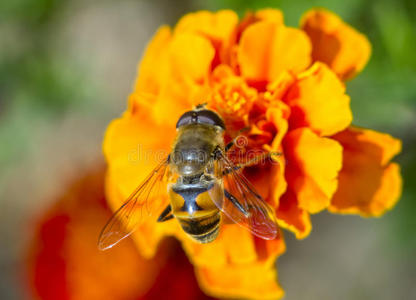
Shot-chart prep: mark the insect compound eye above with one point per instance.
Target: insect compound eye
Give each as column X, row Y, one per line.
column 185, row 119
column 201, row 117
column 209, row 117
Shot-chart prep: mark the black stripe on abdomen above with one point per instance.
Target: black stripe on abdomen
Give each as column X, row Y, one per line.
column 200, row 226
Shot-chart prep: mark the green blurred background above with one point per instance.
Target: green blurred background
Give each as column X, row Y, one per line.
column 66, row 68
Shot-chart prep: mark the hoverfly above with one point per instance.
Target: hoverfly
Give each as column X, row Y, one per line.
column 203, row 185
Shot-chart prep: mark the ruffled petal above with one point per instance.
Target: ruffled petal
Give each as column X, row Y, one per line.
column 318, row 101
column 341, row 47
column 227, row 250
column 231, row 97
column 219, row 27
column 313, row 164
column 279, row 87
column 368, row 184
column 267, row 48
column 268, row 179
column 235, row 268
column 278, row 114
column 153, row 68
column 183, row 84
column 222, row 251
column 270, row 15
column 132, row 150
column 291, row 217
column 190, row 57
column 257, row 281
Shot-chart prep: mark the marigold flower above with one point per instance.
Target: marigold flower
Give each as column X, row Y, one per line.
column 285, row 85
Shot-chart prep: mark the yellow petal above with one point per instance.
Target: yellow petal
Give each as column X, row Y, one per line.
column 153, row 67
column 266, row 49
column 190, row 57
column 216, row 26
column 256, row 281
column 189, row 60
column 271, row 15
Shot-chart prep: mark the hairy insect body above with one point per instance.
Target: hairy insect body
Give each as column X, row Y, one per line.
column 203, row 186
column 191, row 195
column 193, row 148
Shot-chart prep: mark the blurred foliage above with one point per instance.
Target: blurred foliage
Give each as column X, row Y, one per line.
column 29, row 70
column 36, row 82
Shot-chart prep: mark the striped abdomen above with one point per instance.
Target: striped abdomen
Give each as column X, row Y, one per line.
column 193, row 207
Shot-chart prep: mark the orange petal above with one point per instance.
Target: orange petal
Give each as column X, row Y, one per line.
column 312, row 168
column 153, row 67
column 279, row 87
column 267, row 14
column 341, row 47
column 267, row 48
column 190, row 57
column 368, row 185
column 256, row 281
column 278, row 115
column 293, row 218
column 270, row 15
column 218, row 27
column 268, row 179
column 217, row 253
column 189, row 60
column 182, row 77
column 318, row 101
column 227, row 250
column 174, row 70
column 133, row 147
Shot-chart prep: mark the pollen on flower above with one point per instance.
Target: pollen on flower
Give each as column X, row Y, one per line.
column 232, row 98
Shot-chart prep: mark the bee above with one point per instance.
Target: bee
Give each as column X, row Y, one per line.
column 204, row 186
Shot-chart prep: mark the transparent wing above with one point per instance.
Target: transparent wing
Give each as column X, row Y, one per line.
column 136, row 208
column 242, row 204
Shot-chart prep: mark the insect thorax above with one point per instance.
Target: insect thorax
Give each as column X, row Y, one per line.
column 193, row 148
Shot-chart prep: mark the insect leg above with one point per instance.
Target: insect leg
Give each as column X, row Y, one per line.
column 229, row 145
column 252, row 161
column 166, row 214
column 235, row 202
column 201, row 105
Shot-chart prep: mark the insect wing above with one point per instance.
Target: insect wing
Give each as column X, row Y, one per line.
column 136, row 209
column 243, row 205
